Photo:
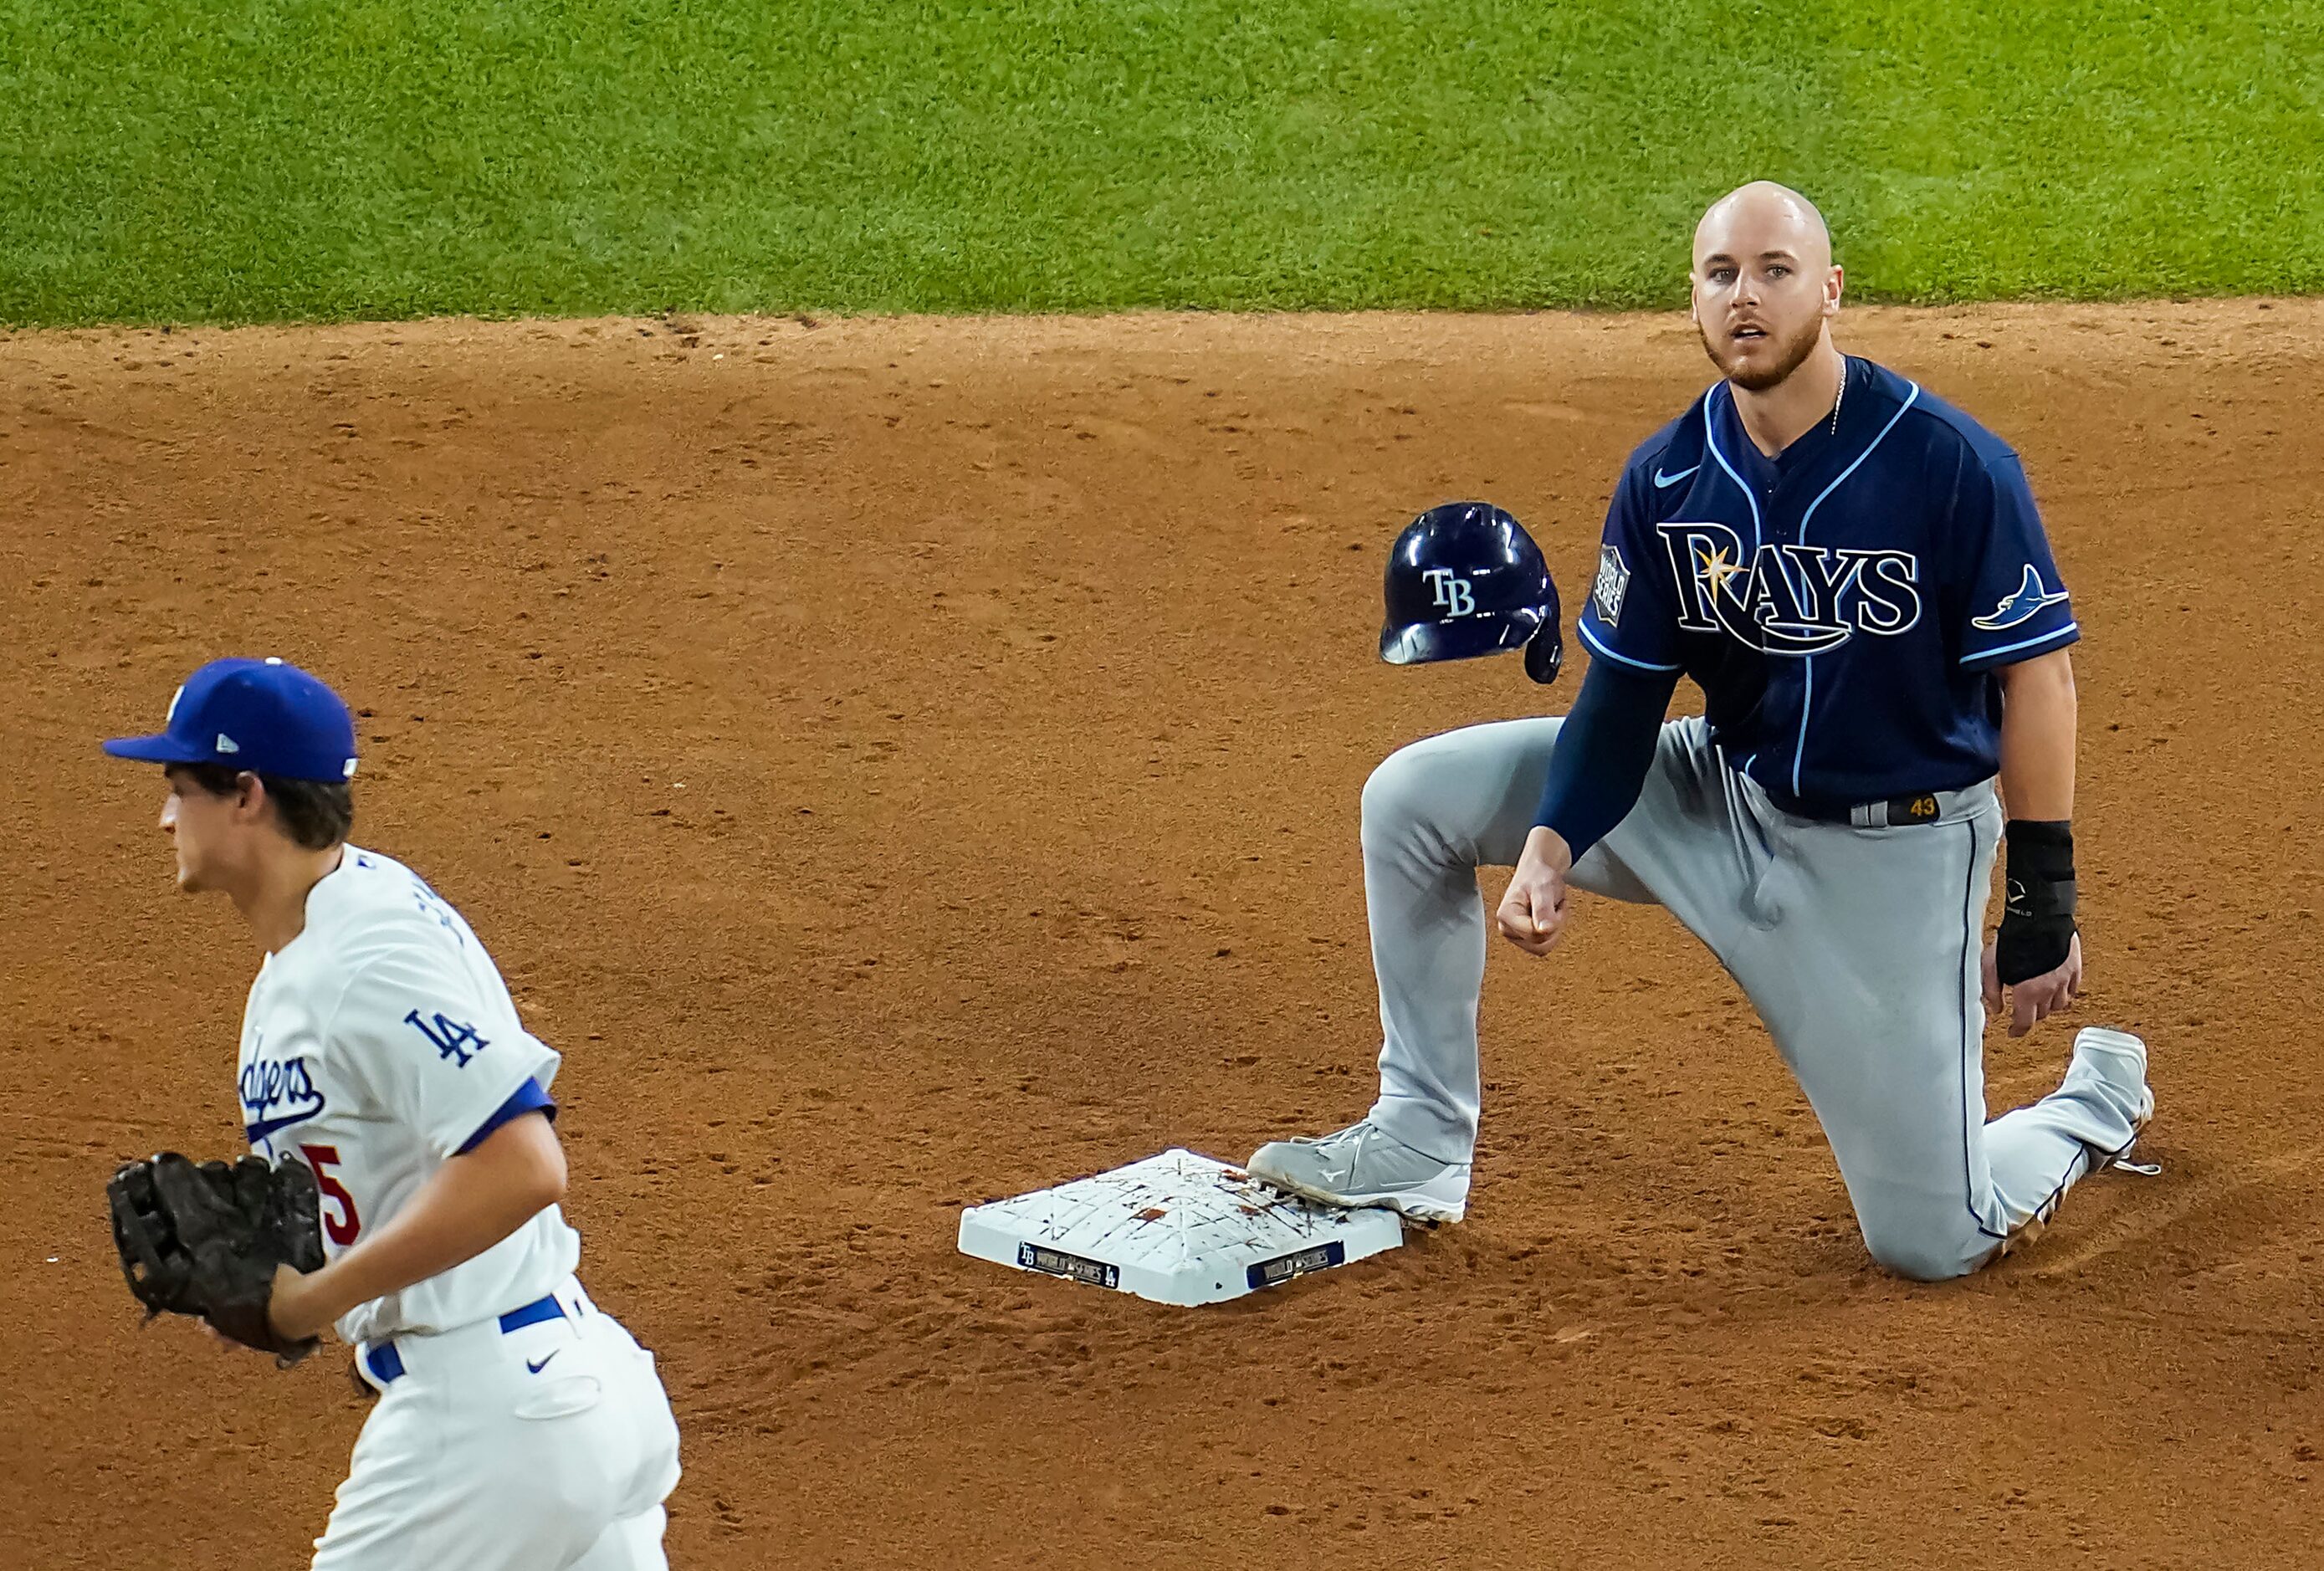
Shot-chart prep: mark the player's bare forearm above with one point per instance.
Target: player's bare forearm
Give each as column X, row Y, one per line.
column 471, row 1203
column 2038, row 719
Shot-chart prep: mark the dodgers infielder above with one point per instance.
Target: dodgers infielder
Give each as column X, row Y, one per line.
column 1854, row 573
column 518, row 1425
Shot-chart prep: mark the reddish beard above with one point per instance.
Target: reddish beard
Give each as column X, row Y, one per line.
column 1795, row 351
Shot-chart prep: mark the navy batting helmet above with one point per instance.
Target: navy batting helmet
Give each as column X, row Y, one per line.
column 1466, row 580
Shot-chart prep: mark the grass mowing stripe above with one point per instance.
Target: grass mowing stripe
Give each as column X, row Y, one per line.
column 285, row 159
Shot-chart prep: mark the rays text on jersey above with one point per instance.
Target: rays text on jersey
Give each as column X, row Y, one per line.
column 1792, row 598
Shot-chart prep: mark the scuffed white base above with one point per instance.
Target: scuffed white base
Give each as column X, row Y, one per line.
column 1177, row 1228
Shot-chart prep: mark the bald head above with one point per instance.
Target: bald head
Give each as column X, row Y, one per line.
column 1764, row 283
column 1753, row 218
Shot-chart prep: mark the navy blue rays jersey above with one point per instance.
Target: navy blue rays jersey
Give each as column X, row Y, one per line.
column 1842, row 606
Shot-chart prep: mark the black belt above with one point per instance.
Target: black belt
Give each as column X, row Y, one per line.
column 386, row 1364
column 1895, row 813
column 1920, row 808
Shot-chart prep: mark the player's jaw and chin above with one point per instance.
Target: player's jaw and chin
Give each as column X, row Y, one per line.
column 1765, row 363
column 193, row 819
column 218, row 839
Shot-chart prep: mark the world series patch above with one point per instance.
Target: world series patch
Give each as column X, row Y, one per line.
column 1612, row 587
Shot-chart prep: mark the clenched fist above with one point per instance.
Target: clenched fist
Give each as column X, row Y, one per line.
column 1533, row 912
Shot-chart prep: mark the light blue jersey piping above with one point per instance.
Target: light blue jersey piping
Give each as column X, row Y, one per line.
column 1711, row 439
column 1600, row 646
column 1807, row 697
column 2058, row 633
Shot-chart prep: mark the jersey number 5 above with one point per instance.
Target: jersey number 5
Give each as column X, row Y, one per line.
column 342, row 1225
column 449, row 1037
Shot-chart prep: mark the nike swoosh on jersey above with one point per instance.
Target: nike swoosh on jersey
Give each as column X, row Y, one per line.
column 532, row 1368
column 1662, row 480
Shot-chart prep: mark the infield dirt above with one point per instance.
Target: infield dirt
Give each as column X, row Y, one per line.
column 902, row 763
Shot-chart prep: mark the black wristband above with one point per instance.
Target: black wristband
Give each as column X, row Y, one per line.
column 2037, row 913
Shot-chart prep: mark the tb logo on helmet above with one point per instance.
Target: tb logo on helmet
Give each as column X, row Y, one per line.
column 1465, row 579
column 1452, row 592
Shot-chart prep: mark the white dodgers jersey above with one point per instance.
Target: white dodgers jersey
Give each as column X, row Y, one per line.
column 378, row 1044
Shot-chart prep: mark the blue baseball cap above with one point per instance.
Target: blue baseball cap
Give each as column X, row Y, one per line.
column 258, row 715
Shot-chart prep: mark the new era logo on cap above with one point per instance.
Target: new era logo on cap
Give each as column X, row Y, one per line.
column 259, row 714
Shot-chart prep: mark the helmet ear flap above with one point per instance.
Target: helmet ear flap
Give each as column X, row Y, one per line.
column 1545, row 652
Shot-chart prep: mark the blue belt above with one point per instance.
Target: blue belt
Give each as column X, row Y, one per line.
column 386, row 1364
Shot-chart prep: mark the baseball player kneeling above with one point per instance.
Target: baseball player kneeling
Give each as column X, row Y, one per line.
column 1854, row 573
column 385, row 1076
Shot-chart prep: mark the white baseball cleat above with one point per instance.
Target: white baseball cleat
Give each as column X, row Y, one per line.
column 1364, row 1165
column 2116, row 1060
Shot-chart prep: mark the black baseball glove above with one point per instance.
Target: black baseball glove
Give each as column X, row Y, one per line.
column 204, row 1239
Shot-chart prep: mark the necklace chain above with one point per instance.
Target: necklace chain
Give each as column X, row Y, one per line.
column 1841, row 398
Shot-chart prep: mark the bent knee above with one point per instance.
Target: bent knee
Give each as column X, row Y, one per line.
column 1401, row 789
column 1928, row 1254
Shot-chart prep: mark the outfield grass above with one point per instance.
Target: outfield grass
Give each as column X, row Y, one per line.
column 255, row 159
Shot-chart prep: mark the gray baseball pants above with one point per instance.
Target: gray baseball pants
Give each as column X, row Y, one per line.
column 1859, row 948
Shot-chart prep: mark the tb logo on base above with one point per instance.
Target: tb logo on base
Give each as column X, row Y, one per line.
column 1452, row 592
